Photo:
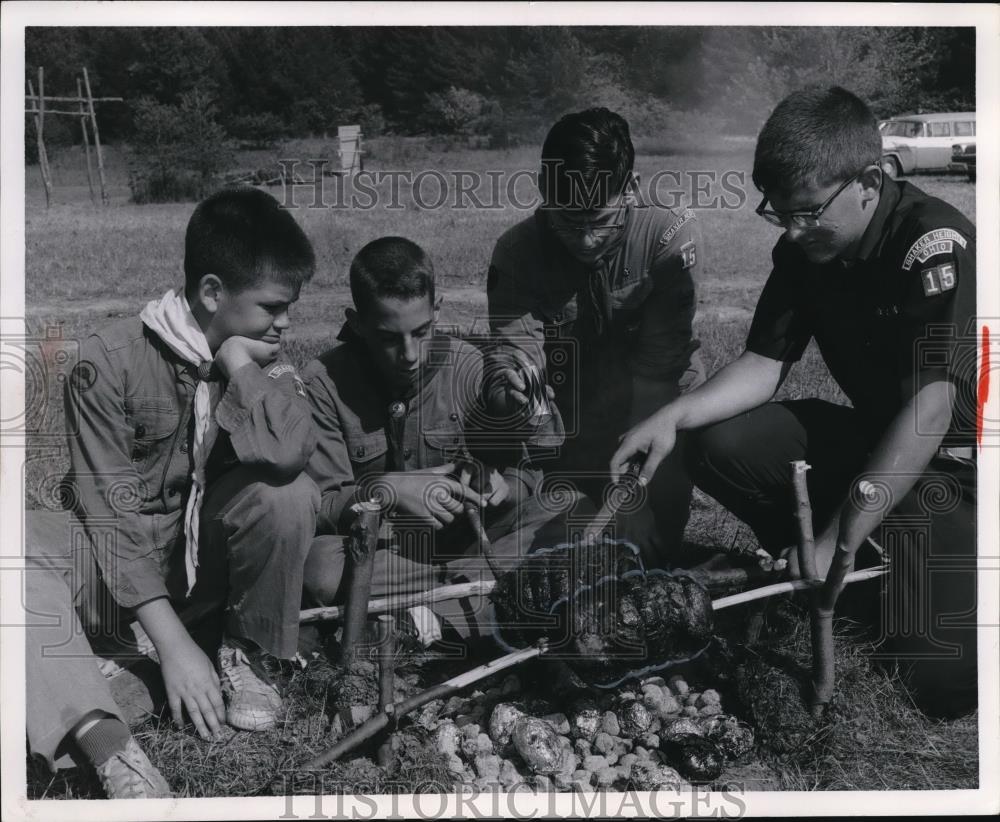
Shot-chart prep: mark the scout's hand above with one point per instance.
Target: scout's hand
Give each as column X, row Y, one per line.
column 235, row 352
column 193, row 685
column 655, row 437
column 432, row 496
column 826, row 547
column 515, row 384
column 494, row 492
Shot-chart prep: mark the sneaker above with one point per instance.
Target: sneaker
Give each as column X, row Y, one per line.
column 253, row 702
column 129, row 774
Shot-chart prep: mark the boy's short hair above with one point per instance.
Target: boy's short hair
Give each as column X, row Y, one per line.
column 243, row 236
column 815, row 137
column 391, row 267
column 587, row 158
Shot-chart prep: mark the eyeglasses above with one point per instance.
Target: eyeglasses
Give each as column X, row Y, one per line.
column 807, row 218
column 600, row 232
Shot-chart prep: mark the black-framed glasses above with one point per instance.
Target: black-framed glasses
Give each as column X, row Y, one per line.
column 806, row 218
column 599, row 232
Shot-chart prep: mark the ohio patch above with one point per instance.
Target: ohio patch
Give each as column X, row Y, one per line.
column 279, row 369
column 671, row 232
column 938, row 279
column 938, row 241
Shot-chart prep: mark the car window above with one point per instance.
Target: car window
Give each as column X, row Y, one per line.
column 903, row 128
column 964, row 128
column 940, row 129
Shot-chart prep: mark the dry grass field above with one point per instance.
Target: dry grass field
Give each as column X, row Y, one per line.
column 87, row 266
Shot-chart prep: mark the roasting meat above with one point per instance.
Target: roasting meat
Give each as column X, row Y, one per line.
column 601, row 612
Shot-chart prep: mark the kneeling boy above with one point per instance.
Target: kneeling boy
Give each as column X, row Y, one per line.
column 189, row 443
column 394, row 405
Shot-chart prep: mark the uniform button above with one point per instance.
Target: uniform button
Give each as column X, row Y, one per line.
column 184, row 447
column 140, row 430
column 407, row 453
column 171, row 492
column 455, row 440
column 453, row 416
column 359, row 452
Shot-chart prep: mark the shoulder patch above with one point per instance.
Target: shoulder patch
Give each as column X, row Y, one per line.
column 677, row 225
column 281, row 368
column 689, row 254
column 939, row 279
column 938, row 241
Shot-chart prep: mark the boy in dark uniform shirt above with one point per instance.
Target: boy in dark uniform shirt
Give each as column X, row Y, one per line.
column 597, row 290
column 883, row 277
column 398, row 410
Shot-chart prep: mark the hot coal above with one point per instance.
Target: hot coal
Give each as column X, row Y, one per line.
column 696, row 758
column 602, row 613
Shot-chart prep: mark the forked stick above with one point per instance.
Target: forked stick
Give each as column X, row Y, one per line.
column 360, row 560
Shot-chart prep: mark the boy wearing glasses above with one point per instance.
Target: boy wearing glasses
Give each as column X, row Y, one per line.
column 596, row 291
column 883, row 277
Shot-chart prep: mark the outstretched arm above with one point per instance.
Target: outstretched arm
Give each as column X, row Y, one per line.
column 748, row 381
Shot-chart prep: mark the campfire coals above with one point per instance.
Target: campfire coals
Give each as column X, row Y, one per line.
column 602, row 613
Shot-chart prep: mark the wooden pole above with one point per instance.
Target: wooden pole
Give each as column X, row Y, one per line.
column 360, row 560
column 43, row 164
column 97, row 136
column 86, row 141
column 386, row 677
column 803, row 512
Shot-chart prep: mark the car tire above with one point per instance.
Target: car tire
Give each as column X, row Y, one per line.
column 890, row 167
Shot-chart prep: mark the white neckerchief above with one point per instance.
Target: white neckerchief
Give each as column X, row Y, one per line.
column 170, row 318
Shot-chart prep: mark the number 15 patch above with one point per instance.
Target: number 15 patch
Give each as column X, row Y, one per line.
column 938, row 279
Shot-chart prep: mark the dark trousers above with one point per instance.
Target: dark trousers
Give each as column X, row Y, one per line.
column 926, row 621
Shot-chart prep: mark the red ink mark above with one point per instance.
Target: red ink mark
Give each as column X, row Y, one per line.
column 984, row 384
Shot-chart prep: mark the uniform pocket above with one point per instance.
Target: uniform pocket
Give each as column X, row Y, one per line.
column 367, row 451
column 153, row 420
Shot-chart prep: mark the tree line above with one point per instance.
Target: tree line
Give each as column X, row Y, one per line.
column 501, row 82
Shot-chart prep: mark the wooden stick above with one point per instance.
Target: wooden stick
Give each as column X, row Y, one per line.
column 97, row 136
column 78, row 99
column 790, row 586
column 624, row 489
column 803, row 511
column 43, row 160
column 398, row 603
column 86, row 141
column 476, row 520
column 360, row 560
column 386, row 676
column 392, row 712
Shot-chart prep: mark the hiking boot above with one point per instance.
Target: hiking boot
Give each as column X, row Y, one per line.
column 128, row 774
column 253, row 702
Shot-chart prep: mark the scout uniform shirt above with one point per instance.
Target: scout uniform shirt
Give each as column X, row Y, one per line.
column 593, row 328
column 363, row 432
column 898, row 317
column 128, row 406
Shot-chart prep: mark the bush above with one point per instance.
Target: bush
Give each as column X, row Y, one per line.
column 260, row 131
column 178, row 152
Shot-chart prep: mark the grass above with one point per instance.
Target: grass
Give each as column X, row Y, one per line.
column 87, row 266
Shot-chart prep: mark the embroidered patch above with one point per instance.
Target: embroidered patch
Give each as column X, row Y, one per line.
column 689, row 254
column 671, row 232
column 938, row 279
column 938, row 241
column 300, row 387
column 279, row 369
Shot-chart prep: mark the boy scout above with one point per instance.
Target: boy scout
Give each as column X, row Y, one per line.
column 599, row 287
column 186, row 459
column 397, row 408
column 883, row 277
